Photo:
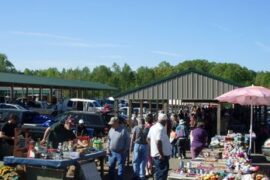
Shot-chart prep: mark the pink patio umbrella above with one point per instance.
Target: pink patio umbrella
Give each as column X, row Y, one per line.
column 251, row 95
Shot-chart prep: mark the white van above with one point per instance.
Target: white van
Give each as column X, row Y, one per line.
column 81, row 105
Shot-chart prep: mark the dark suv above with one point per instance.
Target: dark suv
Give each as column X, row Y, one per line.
column 92, row 120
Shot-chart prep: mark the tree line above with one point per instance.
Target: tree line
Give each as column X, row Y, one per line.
column 125, row 78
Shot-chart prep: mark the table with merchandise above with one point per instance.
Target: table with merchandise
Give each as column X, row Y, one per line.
column 69, row 158
column 225, row 159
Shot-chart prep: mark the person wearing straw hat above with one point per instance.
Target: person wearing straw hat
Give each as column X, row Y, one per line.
column 118, row 147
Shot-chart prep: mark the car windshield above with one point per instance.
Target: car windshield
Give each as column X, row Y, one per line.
column 96, row 104
column 28, row 117
column 92, row 119
column 20, row 107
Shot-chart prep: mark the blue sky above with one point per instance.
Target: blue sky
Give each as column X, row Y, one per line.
column 67, row 33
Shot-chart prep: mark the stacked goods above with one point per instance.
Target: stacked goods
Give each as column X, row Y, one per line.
column 65, row 150
column 226, row 160
column 217, row 142
column 8, row 173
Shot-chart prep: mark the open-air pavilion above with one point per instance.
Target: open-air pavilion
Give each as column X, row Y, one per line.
column 29, row 84
column 188, row 86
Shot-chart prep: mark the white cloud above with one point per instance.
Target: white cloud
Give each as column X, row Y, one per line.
column 222, row 28
column 263, row 46
column 87, row 45
column 47, row 35
column 67, row 41
column 116, row 57
column 166, row 53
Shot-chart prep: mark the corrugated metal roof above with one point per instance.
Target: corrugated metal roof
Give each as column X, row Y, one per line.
column 190, row 84
column 7, row 79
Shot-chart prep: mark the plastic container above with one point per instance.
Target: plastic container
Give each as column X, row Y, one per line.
column 90, row 132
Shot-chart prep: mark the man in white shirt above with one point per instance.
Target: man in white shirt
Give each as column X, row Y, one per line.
column 160, row 147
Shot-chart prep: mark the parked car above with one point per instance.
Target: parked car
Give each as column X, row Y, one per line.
column 123, row 103
column 266, row 149
column 11, row 106
column 81, row 105
column 43, row 107
column 94, row 122
column 23, row 116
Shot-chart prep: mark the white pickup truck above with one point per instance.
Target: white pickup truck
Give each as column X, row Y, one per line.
column 81, row 105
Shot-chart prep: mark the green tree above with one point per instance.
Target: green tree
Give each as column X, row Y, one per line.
column 263, row 79
column 28, row 72
column 144, row 75
column 5, row 64
column 234, row 72
column 163, row 69
column 101, row 74
column 127, row 78
column 199, row 64
column 116, row 73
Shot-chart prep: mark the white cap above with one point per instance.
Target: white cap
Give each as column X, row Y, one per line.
column 162, row 117
column 81, row 121
column 181, row 121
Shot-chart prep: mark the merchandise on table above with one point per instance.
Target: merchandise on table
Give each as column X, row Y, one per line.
column 65, row 150
column 7, row 172
column 226, row 159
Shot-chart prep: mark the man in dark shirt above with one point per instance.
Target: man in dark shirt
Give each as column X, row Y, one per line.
column 60, row 132
column 7, row 132
column 7, row 136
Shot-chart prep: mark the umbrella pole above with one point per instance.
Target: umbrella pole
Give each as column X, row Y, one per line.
column 250, row 130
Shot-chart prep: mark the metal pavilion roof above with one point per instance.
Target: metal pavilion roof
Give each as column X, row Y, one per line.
column 13, row 79
column 191, row 84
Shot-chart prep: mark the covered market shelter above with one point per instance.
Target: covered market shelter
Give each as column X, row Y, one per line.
column 10, row 82
column 187, row 86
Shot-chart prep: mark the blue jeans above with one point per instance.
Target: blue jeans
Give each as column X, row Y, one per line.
column 140, row 155
column 120, row 158
column 174, row 150
column 161, row 168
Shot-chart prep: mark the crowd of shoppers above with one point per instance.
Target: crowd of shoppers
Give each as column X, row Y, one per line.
column 153, row 140
column 156, row 140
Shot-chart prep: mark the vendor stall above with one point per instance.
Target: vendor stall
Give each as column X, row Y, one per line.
column 49, row 167
column 226, row 158
column 75, row 158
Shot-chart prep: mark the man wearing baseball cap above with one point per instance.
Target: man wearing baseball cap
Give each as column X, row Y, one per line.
column 81, row 129
column 118, row 146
